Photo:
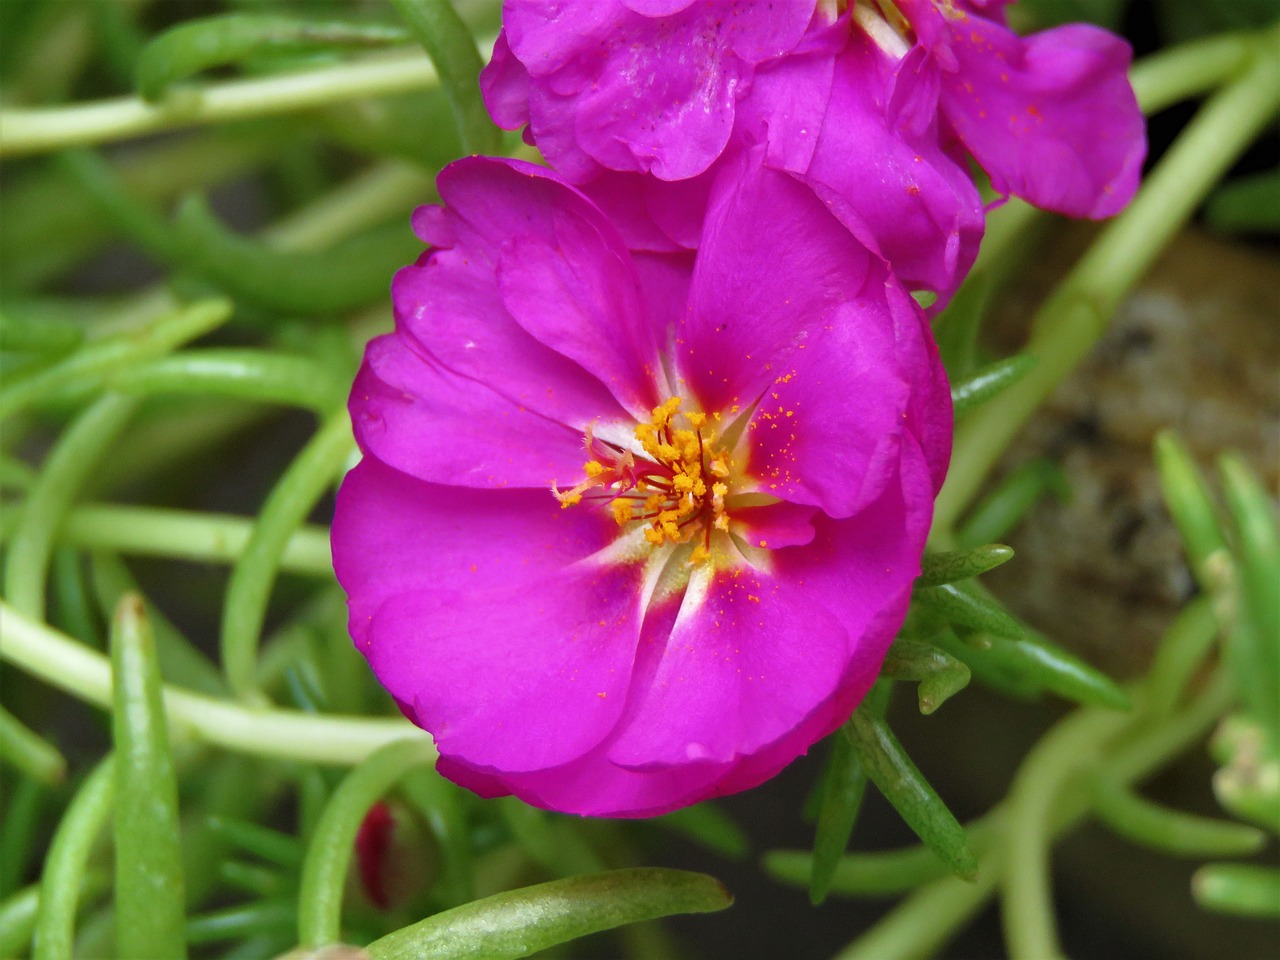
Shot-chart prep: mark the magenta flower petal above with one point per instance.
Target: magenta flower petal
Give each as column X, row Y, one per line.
column 562, row 274
column 1052, row 117
column 795, row 334
column 827, row 118
column 420, row 418
column 552, row 652
column 389, row 528
column 703, row 702
column 646, row 86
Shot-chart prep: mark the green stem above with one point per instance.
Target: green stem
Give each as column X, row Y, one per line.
column 1059, row 757
column 367, row 200
column 89, row 365
column 929, row 917
column 258, row 375
column 1171, row 831
column 31, row 131
column 1191, row 69
column 1186, row 644
column 18, row 921
column 324, row 872
column 29, row 752
column 187, row 535
column 292, row 498
column 75, row 455
column 1076, row 314
column 291, row 734
column 64, row 867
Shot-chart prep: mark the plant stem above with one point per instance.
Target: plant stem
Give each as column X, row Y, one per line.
column 292, row 498
column 187, row 535
column 1076, row 314
column 929, row 917
column 65, row 865
column 1190, row 69
column 292, row 734
column 67, row 467
column 324, row 872
column 366, row 200
column 30, row 131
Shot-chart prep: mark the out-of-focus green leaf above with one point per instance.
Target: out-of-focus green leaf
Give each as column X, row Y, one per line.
column 1254, row 646
column 1238, row 889
column 315, row 282
column 197, row 45
column 1001, row 510
column 709, row 825
column 1188, row 500
column 1248, row 205
column 1171, row 831
column 452, row 49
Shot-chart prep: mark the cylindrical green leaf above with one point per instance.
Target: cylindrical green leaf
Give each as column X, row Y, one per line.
column 989, row 381
column 452, row 49
column 349, row 275
column 324, row 871
column 709, row 825
column 258, row 375
column 64, row 866
column 844, row 786
column 1238, row 889
column 939, row 674
column 88, row 366
column 1033, row 664
column 1182, row 650
column 954, row 565
column 149, row 920
column 896, row 776
column 271, row 845
column 303, row 483
column 1188, row 500
column 189, row 48
column 967, row 607
column 24, row 801
column 30, row 752
column 1171, row 831
column 77, row 452
column 520, row 922
column 235, row 923
column 1255, row 643
column 876, row 874
column 999, row 512
column 18, row 921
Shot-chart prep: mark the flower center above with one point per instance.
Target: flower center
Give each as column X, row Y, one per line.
column 677, row 488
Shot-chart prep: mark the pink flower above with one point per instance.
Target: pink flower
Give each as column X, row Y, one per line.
column 634, row 530
column 875, row 113
column 638, row 85
column 1052, row 117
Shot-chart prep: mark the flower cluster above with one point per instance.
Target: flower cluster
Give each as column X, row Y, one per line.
column 650, row 458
